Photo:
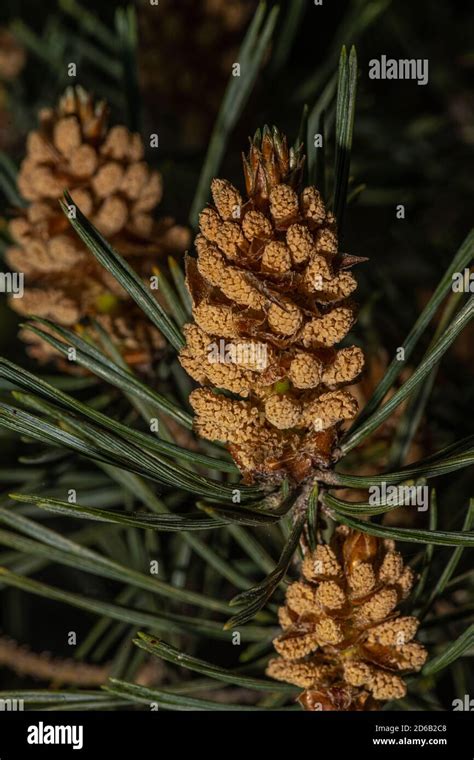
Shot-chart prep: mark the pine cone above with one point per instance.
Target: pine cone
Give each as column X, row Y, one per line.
column 270, row 301
column 105, row 173
column 343, row 641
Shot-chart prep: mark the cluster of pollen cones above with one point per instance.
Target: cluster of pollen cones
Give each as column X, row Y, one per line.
column 344, row 641
column 271, row 296
column 105, row 172
column 270, row 286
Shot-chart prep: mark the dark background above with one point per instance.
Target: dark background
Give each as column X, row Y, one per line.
column 413, row 145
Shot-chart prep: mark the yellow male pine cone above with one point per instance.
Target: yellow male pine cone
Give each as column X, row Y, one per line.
column 271, row 299
column 104, row 170
column 343, row 640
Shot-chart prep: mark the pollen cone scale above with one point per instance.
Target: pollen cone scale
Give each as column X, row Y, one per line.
column 103, row 168
column 271, row 302
column 344, row 641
